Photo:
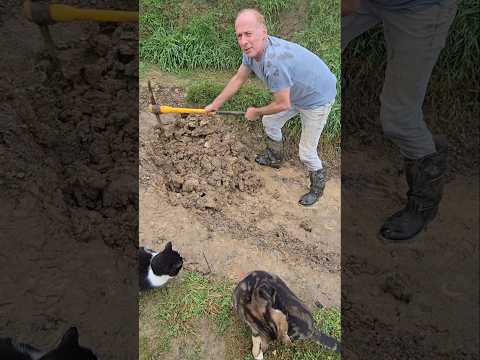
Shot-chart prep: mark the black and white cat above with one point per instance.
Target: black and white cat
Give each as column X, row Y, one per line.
column 68, row 348
column 155, row 269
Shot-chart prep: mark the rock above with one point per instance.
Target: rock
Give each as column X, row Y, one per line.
column 306, row 225
column 120, row 192
column 207, row 202
column 190, row 185
column 168, row 119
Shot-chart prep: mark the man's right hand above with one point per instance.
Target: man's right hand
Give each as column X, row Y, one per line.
column 211, row 107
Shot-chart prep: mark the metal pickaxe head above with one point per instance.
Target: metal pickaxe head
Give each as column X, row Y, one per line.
column 42, row 13
column 39, row 12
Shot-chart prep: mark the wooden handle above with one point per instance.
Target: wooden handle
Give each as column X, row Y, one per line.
column 168, row 109
column 63, row 13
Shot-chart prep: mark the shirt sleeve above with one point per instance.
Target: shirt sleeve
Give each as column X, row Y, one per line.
column 278, row 78
column 246, row 61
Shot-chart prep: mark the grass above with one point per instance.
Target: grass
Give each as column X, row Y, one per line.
column 458, row 60
column 172, row 318
column 196, row 35
column 451, row 104
column 202, row 93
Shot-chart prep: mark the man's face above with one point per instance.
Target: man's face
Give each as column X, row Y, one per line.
column 250, row 35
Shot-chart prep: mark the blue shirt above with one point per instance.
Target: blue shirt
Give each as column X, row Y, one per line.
column 285, row 64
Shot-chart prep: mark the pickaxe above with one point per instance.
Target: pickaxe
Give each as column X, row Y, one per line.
column 42, row 13
column 156, row 109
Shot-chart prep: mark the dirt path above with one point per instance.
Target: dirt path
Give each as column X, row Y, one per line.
column 201, row 189
column 408, row 281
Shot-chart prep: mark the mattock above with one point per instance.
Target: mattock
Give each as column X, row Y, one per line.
column 152, row 100
column 42, row 13
column 160, row 109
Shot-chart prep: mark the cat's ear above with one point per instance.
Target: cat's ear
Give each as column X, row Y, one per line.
column 70, row 338
column 168, row 247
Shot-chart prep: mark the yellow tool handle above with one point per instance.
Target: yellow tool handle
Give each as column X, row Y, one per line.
column 168, row 109
column 62, row 13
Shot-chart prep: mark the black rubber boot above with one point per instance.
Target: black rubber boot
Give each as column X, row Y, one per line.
column 273, row 155
column 317, row 185
column 425, row 178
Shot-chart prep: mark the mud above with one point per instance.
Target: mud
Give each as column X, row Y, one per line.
column 419, row 291
column 204, row 165
column 69, row 182
column 419, row 299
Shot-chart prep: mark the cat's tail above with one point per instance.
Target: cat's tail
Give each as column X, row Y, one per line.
column 325, row 340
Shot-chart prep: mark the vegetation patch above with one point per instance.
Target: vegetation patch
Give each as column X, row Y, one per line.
column 174, row 314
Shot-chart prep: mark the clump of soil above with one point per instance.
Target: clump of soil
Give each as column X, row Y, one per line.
column 79, row 116
column 203, row 164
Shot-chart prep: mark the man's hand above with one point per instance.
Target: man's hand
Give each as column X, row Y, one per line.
column 252, row 114
column 211, row 107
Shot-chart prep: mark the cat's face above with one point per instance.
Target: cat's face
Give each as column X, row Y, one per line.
column 168, row 262
column 69, row 348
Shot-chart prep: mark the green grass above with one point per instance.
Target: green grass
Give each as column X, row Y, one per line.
column 451, row 102
column 458, row 60
column 173, row 316
column 189, row 36
column 202, row 93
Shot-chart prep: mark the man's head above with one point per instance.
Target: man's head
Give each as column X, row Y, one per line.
column 251, row 32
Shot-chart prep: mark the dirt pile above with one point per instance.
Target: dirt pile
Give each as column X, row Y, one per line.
column 203, row 164
column 80, row 119
column 69, row 154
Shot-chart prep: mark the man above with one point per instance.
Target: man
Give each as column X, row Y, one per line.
column 300, row 82
column 415, row 33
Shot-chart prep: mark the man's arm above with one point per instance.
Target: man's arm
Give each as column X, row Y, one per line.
column 231, row 88
column 281, row 102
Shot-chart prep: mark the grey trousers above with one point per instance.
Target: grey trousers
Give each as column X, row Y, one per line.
column 313, row 122
column 414, row 39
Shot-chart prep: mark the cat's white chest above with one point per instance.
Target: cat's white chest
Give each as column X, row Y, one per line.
column 155, row 280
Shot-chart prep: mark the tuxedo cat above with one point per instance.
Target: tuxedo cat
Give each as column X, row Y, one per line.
column 273, row 312
column 156, row 268
column 68, row 348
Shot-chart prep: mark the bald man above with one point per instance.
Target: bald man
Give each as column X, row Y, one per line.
column 300, row 82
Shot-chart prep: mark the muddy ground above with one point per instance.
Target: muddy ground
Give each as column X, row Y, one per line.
column 422, row 292
column 417, row 300
column 68, row 148
column 201, row 189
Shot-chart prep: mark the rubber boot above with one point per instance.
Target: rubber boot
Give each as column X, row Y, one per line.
column 317, row 185
column 273, row 154
column 425, row 178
